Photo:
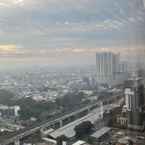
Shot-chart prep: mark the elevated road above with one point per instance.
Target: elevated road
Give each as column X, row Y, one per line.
column 93, row 116
column 29, row 131
column 26, row 132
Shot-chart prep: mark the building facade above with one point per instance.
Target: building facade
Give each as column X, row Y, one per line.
column 134, row 102
column 9, row 111
column 106, row 66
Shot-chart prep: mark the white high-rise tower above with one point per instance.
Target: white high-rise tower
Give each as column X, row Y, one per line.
column 106, row 65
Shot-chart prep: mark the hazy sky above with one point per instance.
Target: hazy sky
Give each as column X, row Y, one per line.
column 67, row 31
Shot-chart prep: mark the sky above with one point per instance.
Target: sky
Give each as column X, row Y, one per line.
column 69, row 31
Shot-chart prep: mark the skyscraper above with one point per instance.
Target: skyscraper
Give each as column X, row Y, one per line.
column 134, row 99
column 106, row 66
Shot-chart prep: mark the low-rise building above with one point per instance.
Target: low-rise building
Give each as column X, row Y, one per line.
column 100, row 134
column 9, row 111
column 80, row 142
column 122, row 121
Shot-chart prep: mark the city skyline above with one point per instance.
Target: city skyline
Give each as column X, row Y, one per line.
column 72, row 72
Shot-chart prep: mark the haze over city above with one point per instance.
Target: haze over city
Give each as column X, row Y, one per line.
column 72, row 72
column 67, row 31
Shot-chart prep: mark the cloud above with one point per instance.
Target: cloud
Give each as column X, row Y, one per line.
column 68, row 23
column 3, row 4
column 7, row 47
column 10, row 3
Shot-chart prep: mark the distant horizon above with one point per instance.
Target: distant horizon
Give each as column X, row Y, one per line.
column 69, row 32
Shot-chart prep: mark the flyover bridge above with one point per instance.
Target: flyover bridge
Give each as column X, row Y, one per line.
column 57, row 123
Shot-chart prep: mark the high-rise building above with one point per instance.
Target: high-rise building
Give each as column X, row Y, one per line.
column 106, row 65
column 134, row 100
column 123, row 68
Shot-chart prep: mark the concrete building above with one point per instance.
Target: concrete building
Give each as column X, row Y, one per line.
column 99, row 134
column 134, row 99
column 106, row 66
column 80, row 142
column 122, row 121
column 9, row 111
column 123, row 67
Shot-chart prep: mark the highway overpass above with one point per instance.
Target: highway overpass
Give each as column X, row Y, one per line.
column 58, row 123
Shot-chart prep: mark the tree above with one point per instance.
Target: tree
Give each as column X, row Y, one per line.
column 60, row 139
column 6, row 97
column 141, row 72
column 70, row 100
column 83, row 129
column 130, row 142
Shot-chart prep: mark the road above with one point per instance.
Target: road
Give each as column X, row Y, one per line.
column 26, row 132
column 90, row 117
column 68, row 130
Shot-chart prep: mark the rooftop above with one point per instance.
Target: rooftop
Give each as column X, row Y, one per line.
column 101, row 132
